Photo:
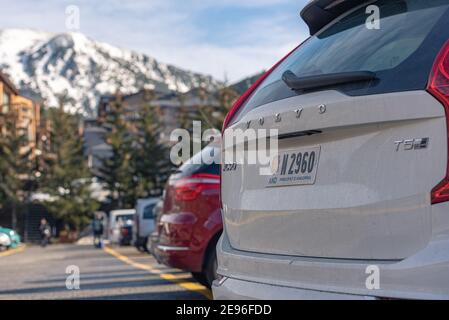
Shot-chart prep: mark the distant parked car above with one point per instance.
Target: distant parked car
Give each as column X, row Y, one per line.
column 153, row 239
column 143, row 222
column 190, row 224
column 5, row 241
column 118, row 219
column 8, row 238
column 126, row 233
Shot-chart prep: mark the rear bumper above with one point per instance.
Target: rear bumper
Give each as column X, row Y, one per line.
column 235, row 289
column 179, row 257
column 424, row 275
column 182, row 242
column 125, row 241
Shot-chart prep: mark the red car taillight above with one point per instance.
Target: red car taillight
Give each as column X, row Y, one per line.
column 189, row 188
column 439, row 87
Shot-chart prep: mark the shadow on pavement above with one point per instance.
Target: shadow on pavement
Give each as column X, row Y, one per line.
column 100, row 276
column 91, row 286
column 173, row 295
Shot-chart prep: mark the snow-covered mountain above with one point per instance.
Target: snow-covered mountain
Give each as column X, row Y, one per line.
column 72, row 65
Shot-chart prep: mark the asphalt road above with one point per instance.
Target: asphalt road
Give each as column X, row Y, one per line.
column 112, row 273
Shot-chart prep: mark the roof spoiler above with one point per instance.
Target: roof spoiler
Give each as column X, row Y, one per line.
column 318, row 13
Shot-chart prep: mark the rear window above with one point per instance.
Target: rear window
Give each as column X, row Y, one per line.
column 196, row 164
column 124, row 218
column 401, row 52
column 148, row 212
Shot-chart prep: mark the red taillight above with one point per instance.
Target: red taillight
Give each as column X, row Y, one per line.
column 250, row 91
column 439, row 87
column 189, row 188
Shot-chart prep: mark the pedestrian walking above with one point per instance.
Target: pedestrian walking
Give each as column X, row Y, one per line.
column 45, row 231
column 98, row 228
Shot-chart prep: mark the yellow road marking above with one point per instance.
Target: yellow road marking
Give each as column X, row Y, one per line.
column 12, row 251
column 180, row 280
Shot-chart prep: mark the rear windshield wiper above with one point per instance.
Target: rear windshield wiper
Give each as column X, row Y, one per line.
column 325, row 80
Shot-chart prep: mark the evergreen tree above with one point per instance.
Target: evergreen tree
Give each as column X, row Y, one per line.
column 215, row 106
column 67, row 177
column 184, row 114
column 15, row 163
column 184, row 117
column 118, row 171
column 150, row 155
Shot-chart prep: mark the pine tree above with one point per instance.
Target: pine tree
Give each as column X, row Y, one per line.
column 215, row 106
column 184, row 117
column 118, row 171
column 15, row 164
column 67, row 177
column 150, row 155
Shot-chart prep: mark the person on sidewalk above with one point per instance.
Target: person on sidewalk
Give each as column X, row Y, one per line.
column 97, row 227
column 45, row 231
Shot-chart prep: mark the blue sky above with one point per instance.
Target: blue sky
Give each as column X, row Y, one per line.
column 217, row 37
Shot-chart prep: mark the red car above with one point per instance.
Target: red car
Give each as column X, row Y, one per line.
column 191, row 224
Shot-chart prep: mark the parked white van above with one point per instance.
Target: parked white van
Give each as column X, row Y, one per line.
column 144, row 222
column 117, row 219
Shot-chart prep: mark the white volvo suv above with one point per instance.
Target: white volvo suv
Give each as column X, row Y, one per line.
column 357, row 202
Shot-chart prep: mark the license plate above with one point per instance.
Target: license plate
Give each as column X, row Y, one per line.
column 294, row 167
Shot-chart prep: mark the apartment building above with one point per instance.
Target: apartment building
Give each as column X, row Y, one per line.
column 25, row 110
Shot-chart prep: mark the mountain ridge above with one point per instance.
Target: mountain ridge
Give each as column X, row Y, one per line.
column 73, row 66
